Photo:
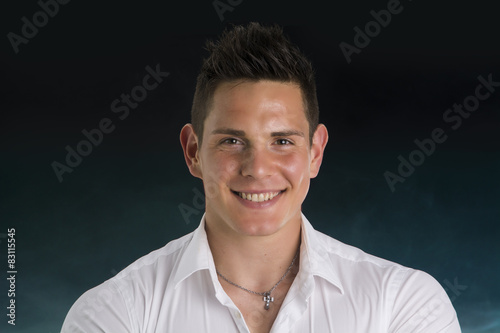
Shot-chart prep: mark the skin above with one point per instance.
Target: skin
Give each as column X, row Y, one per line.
column 255, row 140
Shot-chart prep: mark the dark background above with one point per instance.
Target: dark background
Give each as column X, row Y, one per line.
column 122, row 201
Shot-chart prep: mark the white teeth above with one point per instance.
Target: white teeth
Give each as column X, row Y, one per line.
column 261, row 197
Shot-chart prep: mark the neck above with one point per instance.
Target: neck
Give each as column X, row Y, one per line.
column 255, row 262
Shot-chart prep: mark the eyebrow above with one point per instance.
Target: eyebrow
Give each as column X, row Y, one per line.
column 228, row 131
column 235, row 132
column 288, row 133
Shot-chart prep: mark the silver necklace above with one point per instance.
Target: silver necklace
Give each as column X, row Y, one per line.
column 267, row 298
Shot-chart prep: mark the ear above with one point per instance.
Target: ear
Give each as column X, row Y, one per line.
column 320, row 138
column 189, row 143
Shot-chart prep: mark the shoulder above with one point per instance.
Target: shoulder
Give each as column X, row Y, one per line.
column 325, row 248
column 164, row 258
column 114, row 306
column 355, row 266
column 352, row 256
column 410, row 299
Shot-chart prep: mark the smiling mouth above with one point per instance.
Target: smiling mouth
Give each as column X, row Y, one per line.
column 258, row 197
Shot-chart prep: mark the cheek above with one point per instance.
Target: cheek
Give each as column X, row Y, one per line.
column 295, row 168
column 220, row 168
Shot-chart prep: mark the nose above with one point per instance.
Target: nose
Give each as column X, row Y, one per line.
column 258, row 163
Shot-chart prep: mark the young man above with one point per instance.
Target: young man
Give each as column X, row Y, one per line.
column 255, row 263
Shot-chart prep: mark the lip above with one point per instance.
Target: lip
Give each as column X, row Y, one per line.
column 257, row 192
column 258, row 205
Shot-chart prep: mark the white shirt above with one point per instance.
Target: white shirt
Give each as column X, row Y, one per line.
column 338, row 288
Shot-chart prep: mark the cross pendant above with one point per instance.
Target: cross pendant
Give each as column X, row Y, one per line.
column 267, row 298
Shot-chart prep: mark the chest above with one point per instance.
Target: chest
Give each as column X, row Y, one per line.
column 199, row 309
column 259, row 311
column 252, row 308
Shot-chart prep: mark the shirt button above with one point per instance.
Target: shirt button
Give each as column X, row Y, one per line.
column 237, row 314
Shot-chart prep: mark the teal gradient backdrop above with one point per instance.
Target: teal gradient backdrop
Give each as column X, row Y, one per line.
column 122, row 201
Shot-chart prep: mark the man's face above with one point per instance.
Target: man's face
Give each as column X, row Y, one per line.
column 256, row 160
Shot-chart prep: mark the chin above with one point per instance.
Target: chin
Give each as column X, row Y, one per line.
column 254, row 226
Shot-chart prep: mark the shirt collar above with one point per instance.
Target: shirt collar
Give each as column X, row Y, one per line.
column 196, row 256
column 314, row 256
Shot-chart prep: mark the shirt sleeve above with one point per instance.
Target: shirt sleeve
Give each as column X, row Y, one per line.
column 422, row 306
column 101, row 309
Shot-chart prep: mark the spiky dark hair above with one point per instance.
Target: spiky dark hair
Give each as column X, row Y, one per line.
column 251, row 53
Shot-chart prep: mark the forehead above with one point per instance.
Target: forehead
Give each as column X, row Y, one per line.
column 239, row 99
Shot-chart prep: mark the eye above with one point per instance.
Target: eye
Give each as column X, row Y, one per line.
column 283, row 142
column 230, row 141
